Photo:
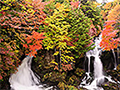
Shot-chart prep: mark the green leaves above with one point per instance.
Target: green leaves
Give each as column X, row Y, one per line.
column 79, row 31
column 17, row 18
column 57, row 35
column 67, row 30
column 1, row 14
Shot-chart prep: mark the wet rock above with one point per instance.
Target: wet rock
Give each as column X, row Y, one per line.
column 110, row 86
column 82, row 88
column 107, row 60
column 115, row 74
column 5, row 85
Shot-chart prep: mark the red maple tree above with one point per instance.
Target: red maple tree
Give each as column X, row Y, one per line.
column 110, row 40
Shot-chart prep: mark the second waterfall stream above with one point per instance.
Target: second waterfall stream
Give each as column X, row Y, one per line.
column 98, row 68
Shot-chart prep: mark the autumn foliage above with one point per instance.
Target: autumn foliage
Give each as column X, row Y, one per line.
column 19, row 19
column 63, row 29
column 111, row 33
column 8, row 59
column 33, row 42
column 114, row 14
column 30, row 16
column 109, row 37
column 66, row 29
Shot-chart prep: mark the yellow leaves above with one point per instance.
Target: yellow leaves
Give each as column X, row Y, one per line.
column 51, row 1
column 96, row 4
column 61, row 85
column 62, row 45
column 67, row 9
column 52, row 25
column 116, row 1
column 114, row 14
column 31, row 11
column 72, row 47
column 4, row 8
column 16, row 51
column 108, row 5
column 29, row 1
column 56, row 53
column 71, row 80
column 23, row 7
column 64, row 86
column 58, row 5
column 111, row 11
column 66, row 58
column 66, row 51
column 49, row 47
column 62, row 7
column 30, row 6
column 56, row 32
column 53, row 62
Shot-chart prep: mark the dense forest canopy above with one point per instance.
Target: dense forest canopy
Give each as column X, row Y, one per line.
column 57, row 33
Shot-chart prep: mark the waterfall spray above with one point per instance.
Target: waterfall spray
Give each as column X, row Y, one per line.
column 115, row 64
column 98, row 68
column 25, row 79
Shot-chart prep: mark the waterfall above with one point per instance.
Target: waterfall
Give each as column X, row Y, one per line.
column 118, row 51
column 115, row 64
column 24, row 78
column 98, row 67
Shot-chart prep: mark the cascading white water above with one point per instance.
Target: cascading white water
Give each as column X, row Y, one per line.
column 98, row 67
column 115, row 64
column 24, row 78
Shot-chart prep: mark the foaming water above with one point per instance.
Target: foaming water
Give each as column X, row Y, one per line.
column 24, row 78
column 98, row 68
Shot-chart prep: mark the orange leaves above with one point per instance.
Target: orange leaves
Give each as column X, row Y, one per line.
column 108, row 5
column 114, row 14
column 38, row 4
column 34, row 42
column 57, row 5
column 109, row 36
column 8, row 59
column 74, row 4
column 37, row 35
column 64, row 67
column 30, row 15
column 0, row 77
column 111, row 11
column 109, row 24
